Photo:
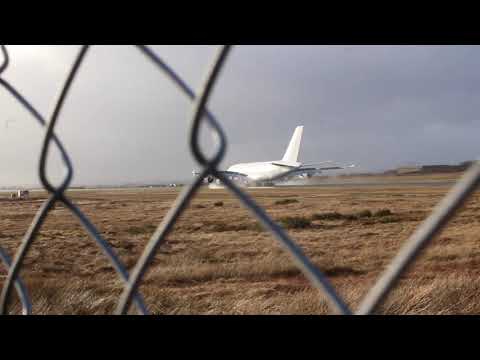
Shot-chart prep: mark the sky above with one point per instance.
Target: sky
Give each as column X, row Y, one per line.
column 123, row 122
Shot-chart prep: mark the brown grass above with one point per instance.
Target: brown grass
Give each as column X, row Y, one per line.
column 219, row 260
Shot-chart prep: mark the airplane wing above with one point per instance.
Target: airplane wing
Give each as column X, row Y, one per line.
column 337, row 167
column 226, row 173
column 312, row 164
column 334, row 167
column 235, row 176
column 297, row 172
column 232, row 174
column 309, row 171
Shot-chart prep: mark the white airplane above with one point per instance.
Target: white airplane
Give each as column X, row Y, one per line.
column 269, row 172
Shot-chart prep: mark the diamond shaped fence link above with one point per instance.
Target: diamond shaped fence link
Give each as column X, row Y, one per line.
column 437, row 220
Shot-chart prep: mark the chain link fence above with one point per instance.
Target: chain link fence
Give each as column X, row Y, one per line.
column 201, row 116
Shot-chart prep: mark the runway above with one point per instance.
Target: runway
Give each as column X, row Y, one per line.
column 353, row 183
column 346, row 183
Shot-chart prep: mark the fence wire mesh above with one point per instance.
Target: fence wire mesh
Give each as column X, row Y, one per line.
column 201, row 116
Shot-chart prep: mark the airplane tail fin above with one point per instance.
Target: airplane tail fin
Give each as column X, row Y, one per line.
column 291, row 155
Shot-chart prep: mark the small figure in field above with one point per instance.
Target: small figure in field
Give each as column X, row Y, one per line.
column 20, row 195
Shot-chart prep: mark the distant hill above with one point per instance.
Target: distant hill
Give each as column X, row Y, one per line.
column 430, row 169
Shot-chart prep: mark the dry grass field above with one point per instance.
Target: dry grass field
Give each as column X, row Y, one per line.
column 218, row 260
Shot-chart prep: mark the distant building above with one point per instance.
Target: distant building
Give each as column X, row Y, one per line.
column 445, row 168
column 430, row 169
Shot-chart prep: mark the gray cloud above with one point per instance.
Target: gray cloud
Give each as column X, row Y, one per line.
column 378, row 106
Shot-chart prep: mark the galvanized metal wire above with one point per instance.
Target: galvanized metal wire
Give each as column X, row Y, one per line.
column 201, row 116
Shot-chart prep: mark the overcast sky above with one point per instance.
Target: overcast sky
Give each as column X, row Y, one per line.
column 124, row 122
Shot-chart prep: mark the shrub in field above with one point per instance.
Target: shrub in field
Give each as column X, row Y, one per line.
column 286, row 201
column 363, row 214
column 218, row 204
column 328, row 216
column 382, row 213
column 295, row 222
column 256, row 227
column 351, row 217
column 389, row 219
column 338, row 216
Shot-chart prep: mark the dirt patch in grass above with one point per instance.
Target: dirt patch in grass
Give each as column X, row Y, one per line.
column 366, row 217
column 219, row 226
column 343, row 271
column 18, row 216
column 141, row 229
column 286, row 202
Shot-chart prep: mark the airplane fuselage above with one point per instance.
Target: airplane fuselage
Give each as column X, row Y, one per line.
column 260, row 171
